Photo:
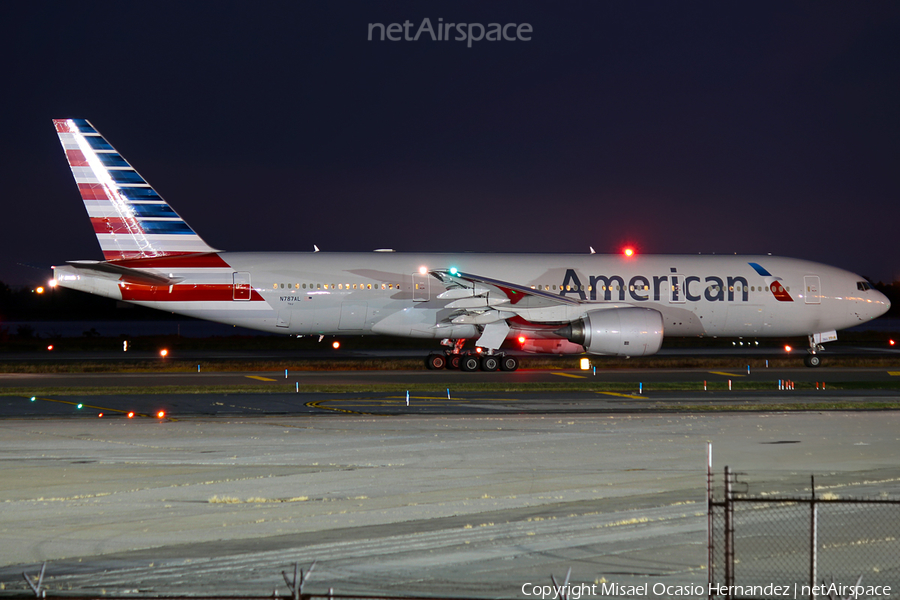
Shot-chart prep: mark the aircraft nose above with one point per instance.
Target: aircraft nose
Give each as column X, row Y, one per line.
column 880, row 304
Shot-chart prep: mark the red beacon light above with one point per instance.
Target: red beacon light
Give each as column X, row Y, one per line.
column 161, row 414
column 787, row 348
column 521, row 339
column 628, row 252
column 891, row 342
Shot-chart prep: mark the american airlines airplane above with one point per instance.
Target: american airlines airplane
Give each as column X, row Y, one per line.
column 560, row 303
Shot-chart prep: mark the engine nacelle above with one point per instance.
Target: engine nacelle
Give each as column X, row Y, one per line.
column 551, row 346
column 629, row 331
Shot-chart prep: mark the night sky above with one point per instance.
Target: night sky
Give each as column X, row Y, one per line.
column 679, row 127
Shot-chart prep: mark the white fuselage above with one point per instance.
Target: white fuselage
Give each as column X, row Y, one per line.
column 394, row 294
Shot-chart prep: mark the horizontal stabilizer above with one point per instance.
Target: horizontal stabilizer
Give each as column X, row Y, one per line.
column 126, row 274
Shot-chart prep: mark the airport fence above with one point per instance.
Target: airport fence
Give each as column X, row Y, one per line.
column 805, row 545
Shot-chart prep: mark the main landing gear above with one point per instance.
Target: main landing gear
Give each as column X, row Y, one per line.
column 455, row 358
column 813, row 359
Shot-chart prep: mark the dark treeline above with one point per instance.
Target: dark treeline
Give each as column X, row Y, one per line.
column 60, row 304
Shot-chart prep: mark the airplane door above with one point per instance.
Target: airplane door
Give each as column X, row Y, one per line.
column 676, row 288
column 241, row 289
column 420, row 287
column 812, row 295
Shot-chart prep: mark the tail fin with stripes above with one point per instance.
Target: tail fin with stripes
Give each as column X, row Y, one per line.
column 130, row 219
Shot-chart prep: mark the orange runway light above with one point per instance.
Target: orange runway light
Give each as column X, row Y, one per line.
column 50, row 347
column 100, row 415
column 891, row 342
column 39, row 290
column 164, row 353
column 336, row 344
column 161, row 414
column 787, row 348
column 131, row 415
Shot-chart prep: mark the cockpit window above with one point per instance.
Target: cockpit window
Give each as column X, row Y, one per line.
column 863, row 286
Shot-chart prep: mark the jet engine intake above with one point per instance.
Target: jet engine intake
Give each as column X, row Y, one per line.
column 629, row 331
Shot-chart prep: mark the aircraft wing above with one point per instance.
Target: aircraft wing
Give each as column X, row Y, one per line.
column 482, row 300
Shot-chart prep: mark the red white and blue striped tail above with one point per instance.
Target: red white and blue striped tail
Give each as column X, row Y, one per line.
column 130, row 219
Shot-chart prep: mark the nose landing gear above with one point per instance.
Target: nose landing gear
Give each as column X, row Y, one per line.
column 813, row 359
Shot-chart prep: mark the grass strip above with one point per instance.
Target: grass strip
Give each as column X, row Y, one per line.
column 490, row 387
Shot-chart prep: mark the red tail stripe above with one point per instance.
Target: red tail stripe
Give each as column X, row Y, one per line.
column 62, row 126
column 93, row 191
column 110, row 225
column 76, row 158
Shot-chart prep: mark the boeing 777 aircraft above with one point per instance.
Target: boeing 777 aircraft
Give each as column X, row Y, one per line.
column 557, row 303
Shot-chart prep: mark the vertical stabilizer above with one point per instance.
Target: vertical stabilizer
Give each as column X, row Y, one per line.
column 130, row 219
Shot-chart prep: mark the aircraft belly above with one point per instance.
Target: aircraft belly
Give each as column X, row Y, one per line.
column 421, row 322
column 680, row 321
column 743, row 319
column 353, row 316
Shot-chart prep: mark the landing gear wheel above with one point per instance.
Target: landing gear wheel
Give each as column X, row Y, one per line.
column 490, row 363
column 812, row 360
column 453, row 361
column 468, row 363
column 509, row 363
column 435, row 361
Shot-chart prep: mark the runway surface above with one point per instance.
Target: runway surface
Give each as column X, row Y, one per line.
column 177, row 406
column 469, row 496
column 444, row 378
column 636, row 391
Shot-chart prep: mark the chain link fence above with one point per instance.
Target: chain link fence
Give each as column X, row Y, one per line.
column 801, row 540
